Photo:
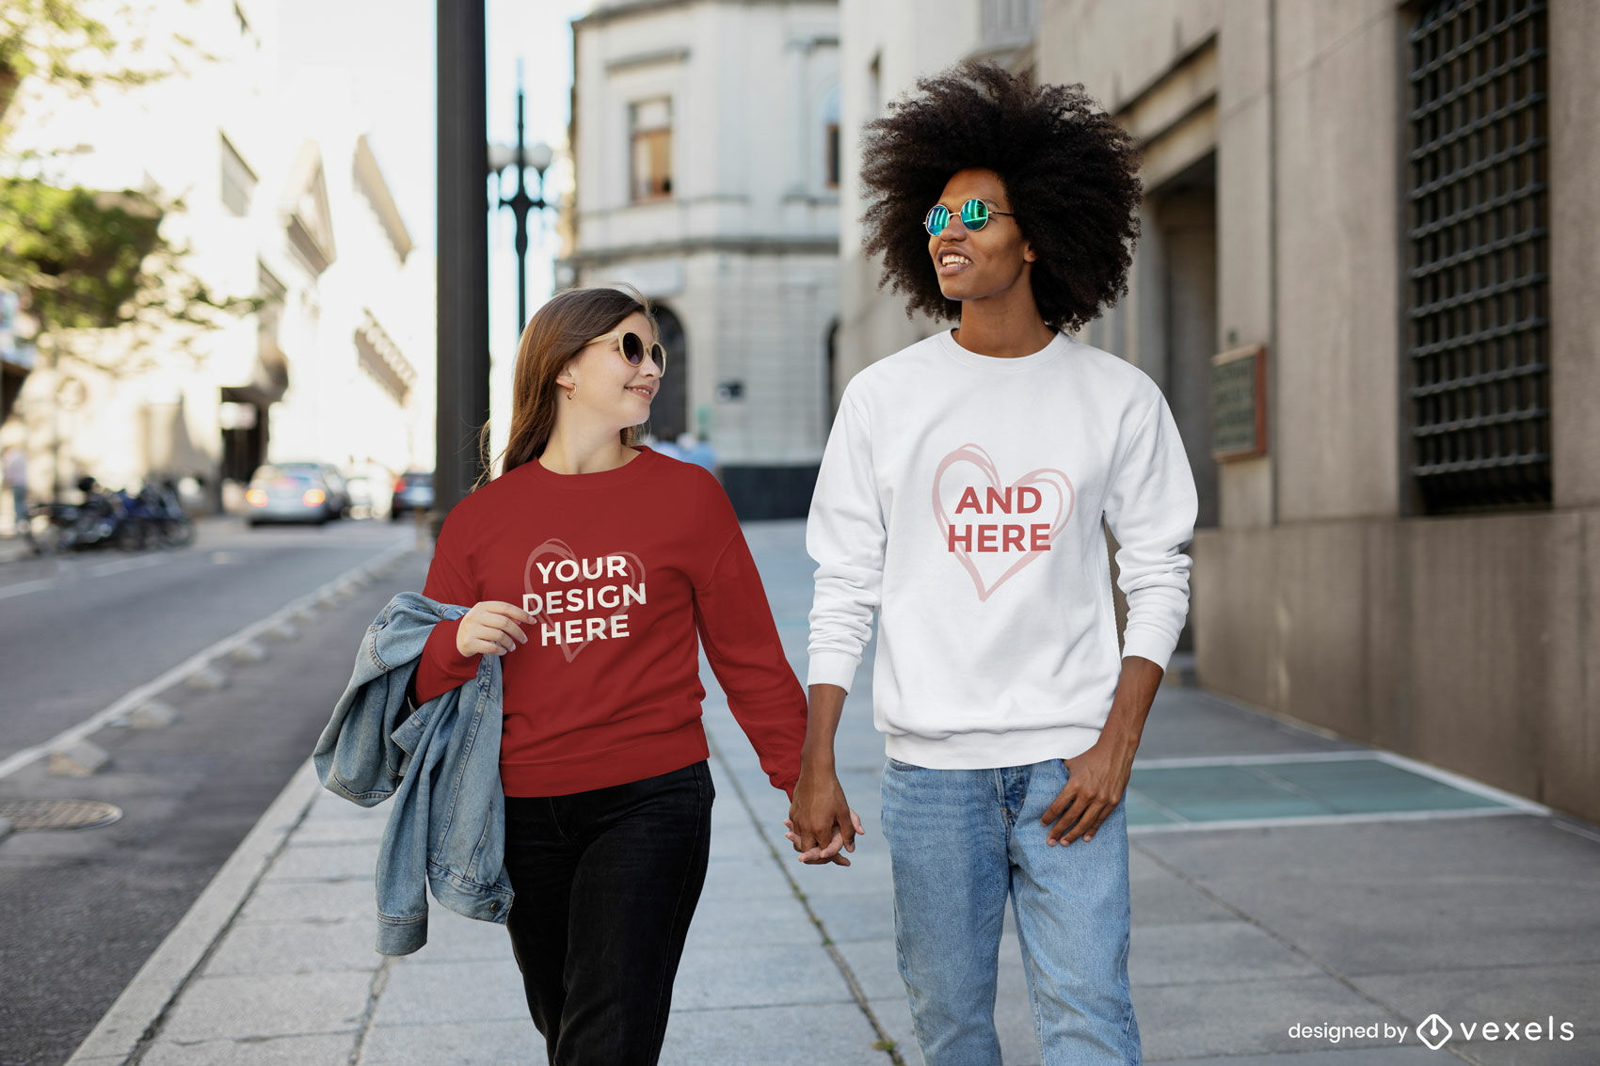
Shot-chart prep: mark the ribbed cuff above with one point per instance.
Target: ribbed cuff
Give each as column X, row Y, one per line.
column 1149, row 644
column 833, row 668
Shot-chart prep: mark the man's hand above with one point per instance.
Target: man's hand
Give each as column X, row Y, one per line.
column 1097, row 779
column 1095, row 783
column 820, row 821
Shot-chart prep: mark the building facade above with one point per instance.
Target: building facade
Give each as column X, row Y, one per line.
column 705, row 141
column 282, row 198
column 1361, row 282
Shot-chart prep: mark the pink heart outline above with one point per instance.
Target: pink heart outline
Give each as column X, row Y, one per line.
column 561, row 550
column 971, row 453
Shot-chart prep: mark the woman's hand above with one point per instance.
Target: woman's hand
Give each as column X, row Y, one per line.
column 491, row 628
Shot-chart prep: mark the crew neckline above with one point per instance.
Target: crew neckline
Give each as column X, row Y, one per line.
column 948, row 344
column 595, row 479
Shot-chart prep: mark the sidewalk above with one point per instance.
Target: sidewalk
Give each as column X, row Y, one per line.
column 1279, row 878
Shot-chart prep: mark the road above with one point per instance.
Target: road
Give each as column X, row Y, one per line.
column 85, row 908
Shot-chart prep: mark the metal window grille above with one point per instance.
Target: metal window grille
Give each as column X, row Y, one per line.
column 1478, row 322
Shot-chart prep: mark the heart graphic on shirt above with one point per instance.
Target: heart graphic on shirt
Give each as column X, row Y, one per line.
column 969, row 466
column 558, row 550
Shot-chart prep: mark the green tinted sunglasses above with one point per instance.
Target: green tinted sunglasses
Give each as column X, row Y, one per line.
column 974, row 215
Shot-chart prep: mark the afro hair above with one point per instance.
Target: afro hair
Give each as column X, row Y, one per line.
column 1070, row 171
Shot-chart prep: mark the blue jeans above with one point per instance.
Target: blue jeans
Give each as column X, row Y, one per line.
column 960, row 842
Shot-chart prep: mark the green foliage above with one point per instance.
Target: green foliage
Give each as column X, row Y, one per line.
column 80, row 261
column 56, row 40
column 87, row 259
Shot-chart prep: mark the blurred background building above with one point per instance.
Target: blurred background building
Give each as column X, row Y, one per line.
column 706, row 148
column 1367, row 242
column 268, row 183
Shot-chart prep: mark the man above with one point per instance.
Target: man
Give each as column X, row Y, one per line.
column 961, row 496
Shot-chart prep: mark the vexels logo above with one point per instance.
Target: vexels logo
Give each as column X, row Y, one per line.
column 1434, row 1031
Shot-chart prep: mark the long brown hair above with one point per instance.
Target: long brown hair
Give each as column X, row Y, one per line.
column 557, row 332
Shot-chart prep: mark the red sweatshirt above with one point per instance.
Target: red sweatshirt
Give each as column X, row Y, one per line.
column 620, row 569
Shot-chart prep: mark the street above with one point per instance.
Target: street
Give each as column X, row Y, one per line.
column 86, row 907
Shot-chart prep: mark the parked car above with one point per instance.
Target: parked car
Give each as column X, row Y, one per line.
column 292, row 492
column 413, row 491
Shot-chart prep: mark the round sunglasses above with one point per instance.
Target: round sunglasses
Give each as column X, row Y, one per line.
column 974, row 215
column 633, row 349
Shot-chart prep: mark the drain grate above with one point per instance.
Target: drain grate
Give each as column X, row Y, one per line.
column 25, row 815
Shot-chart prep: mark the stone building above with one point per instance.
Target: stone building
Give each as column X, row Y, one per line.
column 705, row 141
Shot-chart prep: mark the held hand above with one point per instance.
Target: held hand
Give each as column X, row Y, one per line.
column 820, row 820
column 491, row 628
column 820, row 856
column 1095, row 783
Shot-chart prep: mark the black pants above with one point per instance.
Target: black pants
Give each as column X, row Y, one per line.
column 606, row 882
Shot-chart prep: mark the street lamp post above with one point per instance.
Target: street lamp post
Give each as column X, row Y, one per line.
column 538, row 156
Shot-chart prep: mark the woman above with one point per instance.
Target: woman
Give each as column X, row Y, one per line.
column 591, row 563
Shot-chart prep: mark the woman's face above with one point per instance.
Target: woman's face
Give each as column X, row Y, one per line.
column 973, row 264
column 609, row 389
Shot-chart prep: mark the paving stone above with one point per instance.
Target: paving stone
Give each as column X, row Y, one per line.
column 312, row 901
column 1246, row 1017
column 758, row 976
column 241, row 1006
column 855, row 915
column 732, row 923
column 1542, row 994
column 296, row 947
column 838, row 1035
column 332, row 1049
column 484, row 1043
column 452, row 991
column 324, row 862
column 1210, row 951
column 455, row 938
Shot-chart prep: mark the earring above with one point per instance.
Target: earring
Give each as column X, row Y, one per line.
column 573, row 391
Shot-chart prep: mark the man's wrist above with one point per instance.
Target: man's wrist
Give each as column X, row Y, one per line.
column 816, row 762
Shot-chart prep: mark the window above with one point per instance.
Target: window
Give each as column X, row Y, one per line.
column 651, row 125
column 238, row 181
column 830, row 139
column 1478, row 305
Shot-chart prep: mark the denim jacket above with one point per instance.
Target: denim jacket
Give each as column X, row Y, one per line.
column 440, row 762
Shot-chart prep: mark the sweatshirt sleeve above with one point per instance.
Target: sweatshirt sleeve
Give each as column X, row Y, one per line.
column 442, row 667
column 845, row 536
column 1151, row 507
column 742, row 645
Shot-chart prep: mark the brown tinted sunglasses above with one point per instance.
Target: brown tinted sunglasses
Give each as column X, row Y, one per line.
column 633, row 349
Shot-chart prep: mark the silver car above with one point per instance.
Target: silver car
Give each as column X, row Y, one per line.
column 291, row 492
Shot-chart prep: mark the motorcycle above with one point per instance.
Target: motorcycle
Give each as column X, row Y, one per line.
column 154, row 517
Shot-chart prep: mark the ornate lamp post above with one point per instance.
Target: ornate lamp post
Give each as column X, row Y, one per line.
column 520, row 157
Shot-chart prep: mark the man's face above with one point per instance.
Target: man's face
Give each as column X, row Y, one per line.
column 973, row 264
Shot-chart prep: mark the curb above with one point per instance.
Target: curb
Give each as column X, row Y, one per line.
column 139, row 1011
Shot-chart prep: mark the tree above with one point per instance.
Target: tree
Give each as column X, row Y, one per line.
column 91, row 259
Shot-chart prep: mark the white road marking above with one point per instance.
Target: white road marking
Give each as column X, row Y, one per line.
column 23, row 587
column 131, row 699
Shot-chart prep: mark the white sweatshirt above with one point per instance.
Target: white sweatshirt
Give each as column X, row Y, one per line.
column 961, row 497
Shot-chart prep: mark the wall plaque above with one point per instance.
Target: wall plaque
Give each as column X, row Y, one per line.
column 1239, row 403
